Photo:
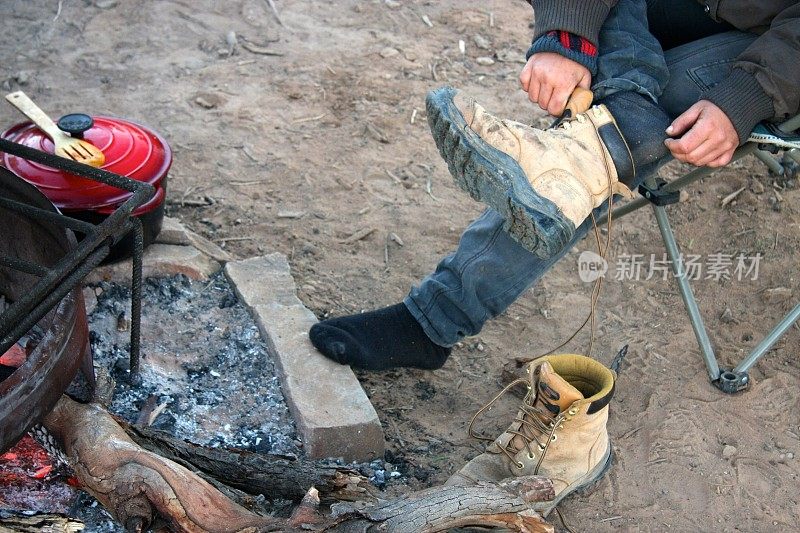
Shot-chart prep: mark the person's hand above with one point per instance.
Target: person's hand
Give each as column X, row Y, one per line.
column 703, row 136
column 549, row 79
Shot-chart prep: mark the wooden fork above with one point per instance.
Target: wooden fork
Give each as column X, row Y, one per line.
column 65, row 146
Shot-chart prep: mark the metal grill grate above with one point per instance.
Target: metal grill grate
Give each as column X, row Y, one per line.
column 56, row 281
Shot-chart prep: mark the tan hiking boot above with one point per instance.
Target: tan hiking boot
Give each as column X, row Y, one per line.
column 559, row 431
column 545, row 183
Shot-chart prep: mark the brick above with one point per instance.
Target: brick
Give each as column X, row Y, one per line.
column 159, row 261
column 333, row 414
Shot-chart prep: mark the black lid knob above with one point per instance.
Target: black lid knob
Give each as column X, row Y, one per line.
column 75, row 124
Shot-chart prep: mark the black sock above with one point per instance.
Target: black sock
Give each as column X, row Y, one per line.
column 378, row 340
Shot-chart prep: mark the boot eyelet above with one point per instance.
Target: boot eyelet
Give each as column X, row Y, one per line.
column 553, row 438
column 531, row 456
column 520, row 466
column 541, row 448
column 573, row 411
column 561, row 426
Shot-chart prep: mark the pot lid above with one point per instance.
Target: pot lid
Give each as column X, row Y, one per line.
column 130, row 149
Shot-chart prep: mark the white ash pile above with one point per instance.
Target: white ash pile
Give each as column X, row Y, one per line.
column 207, row 376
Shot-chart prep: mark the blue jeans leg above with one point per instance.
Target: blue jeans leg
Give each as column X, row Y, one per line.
column 630, row 57
column 479, row 281
column 490, row 270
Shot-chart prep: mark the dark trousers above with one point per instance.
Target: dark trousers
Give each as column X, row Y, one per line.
column 655, row 59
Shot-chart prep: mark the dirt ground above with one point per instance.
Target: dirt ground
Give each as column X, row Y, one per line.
column 300, row 151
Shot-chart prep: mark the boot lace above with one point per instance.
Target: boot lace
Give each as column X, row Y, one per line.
column 542, row 422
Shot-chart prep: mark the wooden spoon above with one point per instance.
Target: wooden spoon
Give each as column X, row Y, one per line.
column 65, row 146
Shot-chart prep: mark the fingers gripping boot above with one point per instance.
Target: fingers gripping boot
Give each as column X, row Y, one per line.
column 545, row 183
column 559, row 432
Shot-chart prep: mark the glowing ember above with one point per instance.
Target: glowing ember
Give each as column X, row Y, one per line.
column 26, row 483
column 11, row 360
column 14, row 357
column 23, row 462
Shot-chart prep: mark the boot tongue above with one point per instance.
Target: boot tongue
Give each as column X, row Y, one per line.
column 555, row 394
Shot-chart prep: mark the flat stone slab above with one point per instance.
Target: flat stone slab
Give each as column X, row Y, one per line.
column 174, row 232
column 159, row 261
column 331, row 410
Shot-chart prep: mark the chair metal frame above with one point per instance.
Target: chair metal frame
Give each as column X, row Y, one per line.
column 659, row 194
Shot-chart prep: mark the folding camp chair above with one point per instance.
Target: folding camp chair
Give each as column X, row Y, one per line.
column 765, row 141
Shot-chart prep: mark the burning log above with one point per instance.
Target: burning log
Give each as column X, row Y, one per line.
column 275, row 476
column 137, row 486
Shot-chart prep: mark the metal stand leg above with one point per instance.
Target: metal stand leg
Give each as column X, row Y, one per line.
column 686, row 292
column 136, row 300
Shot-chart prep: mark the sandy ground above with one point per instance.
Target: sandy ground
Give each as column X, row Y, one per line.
column 302, row 150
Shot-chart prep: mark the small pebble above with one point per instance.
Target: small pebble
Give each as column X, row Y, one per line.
column 231, row 41
column 485, row 61
column 388, row 52
column 205, row 103
column 727, row 316
column 729, row 451
column 481, row 42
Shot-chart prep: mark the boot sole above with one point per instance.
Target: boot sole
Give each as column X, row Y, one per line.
column 585, row 488
column 494, row 178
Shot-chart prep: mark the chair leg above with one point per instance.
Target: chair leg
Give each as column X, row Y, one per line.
column 729, row 381
column 764, row 346
column 686, row 292
column 770, row 161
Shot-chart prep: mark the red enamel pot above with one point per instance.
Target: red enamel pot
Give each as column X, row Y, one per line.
column 130, row 149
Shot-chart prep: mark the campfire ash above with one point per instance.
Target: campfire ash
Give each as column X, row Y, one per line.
column 207, row 376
